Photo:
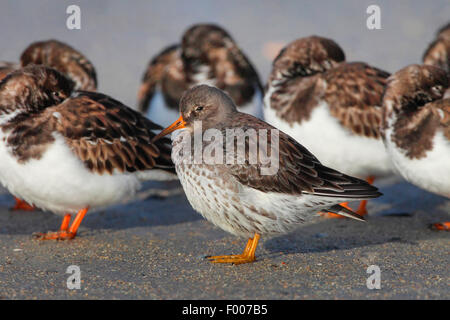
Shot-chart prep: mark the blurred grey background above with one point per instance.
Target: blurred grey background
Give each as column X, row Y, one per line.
column 120, row 37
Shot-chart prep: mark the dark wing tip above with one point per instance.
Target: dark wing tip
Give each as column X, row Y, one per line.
column 340, row 210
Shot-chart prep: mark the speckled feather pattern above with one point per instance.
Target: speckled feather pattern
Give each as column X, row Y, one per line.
column 331, row 106
column 242, row 201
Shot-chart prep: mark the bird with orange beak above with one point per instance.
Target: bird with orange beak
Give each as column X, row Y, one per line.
column 241, row 193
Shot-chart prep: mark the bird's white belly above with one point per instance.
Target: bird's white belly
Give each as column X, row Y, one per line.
column 244, row 211
column 59, row 181
column 335, row 146
column 431, row 173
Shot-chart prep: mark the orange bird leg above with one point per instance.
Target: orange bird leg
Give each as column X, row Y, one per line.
column 65, row 232
column 248, row 255
column 65, row 222
column 442, row 226
column 22, row 205
column 361, row 208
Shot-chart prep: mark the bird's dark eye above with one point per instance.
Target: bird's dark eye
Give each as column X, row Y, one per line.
column 199, row 108
column 55, row 94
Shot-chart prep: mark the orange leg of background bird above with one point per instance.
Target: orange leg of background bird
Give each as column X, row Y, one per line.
column 22, row 205
column 65, row 222
column 361, row 208
column 65, row 232
column 442, row 226
column 248, row 255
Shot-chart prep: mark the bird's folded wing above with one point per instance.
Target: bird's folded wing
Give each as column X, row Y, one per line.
column 354, row 92
column 106, row 135
column 298, row 171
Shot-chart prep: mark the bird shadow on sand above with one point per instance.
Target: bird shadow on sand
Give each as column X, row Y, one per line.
column 166, row 208
column 404, row 214
column 325, row 235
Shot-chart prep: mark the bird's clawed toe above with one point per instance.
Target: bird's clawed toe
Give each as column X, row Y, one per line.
column 441, row 226
column 58, row 235
column 233, row 258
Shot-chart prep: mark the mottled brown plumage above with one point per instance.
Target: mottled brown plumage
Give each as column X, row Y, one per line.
column 311, row 70
column 66, row 151
column 306, row 57
column 7, row 67
column 32, row 89
column 63, row 58
column 166, row 70
column 414, row 99
column 102, row 132
column 299, row 171
column 354, row 92
column 438, row 52
column 59, row 56
column 176, row 68
column 331, row 106
column 304, row 92
column 416, row 127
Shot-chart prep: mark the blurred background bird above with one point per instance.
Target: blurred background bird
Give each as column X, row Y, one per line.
column 69, row 151
column 61, row 57
column 331, row 106
column 207, row 54
column 416, row 128
column 438, row 52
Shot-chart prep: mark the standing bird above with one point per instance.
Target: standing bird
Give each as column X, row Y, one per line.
column 61, row 57
column 438, row 52
column 332, row 107
column 67, row 151
column 239, row 196
column 416, row 128
column 207, row 55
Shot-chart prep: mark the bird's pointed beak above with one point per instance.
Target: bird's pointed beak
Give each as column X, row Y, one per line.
column 178, row 124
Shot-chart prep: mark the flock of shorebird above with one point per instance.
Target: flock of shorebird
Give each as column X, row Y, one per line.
column 66, row 148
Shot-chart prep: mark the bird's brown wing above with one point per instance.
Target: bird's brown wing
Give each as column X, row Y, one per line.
column 297, row 98
column 108, row 136
column 154, row 74
column 353, row 93
column 299, row 172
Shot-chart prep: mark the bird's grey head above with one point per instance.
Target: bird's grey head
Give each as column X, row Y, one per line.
column 207, row 104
